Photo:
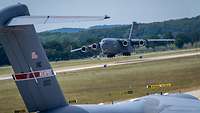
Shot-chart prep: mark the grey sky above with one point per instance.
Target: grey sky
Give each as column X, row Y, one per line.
column 121, row 11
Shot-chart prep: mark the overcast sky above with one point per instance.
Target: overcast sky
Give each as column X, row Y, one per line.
column 121, row 11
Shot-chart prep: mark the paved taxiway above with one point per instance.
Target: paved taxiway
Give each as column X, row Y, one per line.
column 134, row 61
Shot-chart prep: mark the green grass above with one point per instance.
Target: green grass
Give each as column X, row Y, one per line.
column 4, row 71
column 106, row 84
column 10, row 98
column 96, row 85
column 119, row 58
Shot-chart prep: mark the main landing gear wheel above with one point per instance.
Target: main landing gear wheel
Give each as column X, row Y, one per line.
column 110, row 56
column 127, row 54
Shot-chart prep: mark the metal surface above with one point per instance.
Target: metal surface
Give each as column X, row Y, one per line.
column 27, row 55
column 147, row 104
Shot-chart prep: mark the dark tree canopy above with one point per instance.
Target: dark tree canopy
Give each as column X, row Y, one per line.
column 58, row 44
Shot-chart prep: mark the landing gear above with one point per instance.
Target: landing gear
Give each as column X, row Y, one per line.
column 110, row 56
column 140, row 56
column 127, row 54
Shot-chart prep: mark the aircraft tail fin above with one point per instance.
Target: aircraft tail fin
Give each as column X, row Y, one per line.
column 33, row 76
column 133, row 30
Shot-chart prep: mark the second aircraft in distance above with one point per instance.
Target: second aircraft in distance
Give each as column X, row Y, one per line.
column 113, row 46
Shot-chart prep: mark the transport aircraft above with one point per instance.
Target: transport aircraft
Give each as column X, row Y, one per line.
column 112, row 46
column 37, row 83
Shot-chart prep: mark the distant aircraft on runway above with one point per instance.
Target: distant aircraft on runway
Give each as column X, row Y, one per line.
column 37, row 83
column 113, row 46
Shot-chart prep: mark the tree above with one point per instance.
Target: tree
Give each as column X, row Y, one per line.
column 181, row 39
column 168, row 35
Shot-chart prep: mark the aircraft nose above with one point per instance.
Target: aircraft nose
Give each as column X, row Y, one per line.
column 107, row 46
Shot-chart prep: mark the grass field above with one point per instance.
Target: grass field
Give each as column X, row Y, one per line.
column 112, row 83
column 6, row 70
column 119, row 58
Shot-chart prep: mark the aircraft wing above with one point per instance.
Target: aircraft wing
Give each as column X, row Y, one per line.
column 75, row 50
column 151, row 42
column 92, row 47
column 159, row 42
column 28, row 20
column 181, row 109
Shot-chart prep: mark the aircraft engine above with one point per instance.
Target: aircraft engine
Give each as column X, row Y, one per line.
column 125, row 43
column 142, row 43
column 94, row 46
column 84, row 49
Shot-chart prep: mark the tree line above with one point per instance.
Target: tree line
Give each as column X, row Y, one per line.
column 58, row 44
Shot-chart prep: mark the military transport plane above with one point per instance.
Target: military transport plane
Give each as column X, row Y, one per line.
column 37, row 83
column 112, row 46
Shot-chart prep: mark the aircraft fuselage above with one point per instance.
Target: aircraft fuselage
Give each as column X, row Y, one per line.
column 113, row 46
column 173, row 103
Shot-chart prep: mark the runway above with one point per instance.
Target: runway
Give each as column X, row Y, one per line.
column 134, row 61
column 5, row 78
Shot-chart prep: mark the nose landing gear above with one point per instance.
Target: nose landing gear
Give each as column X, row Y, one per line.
column 110, row 56
column 127, row 54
